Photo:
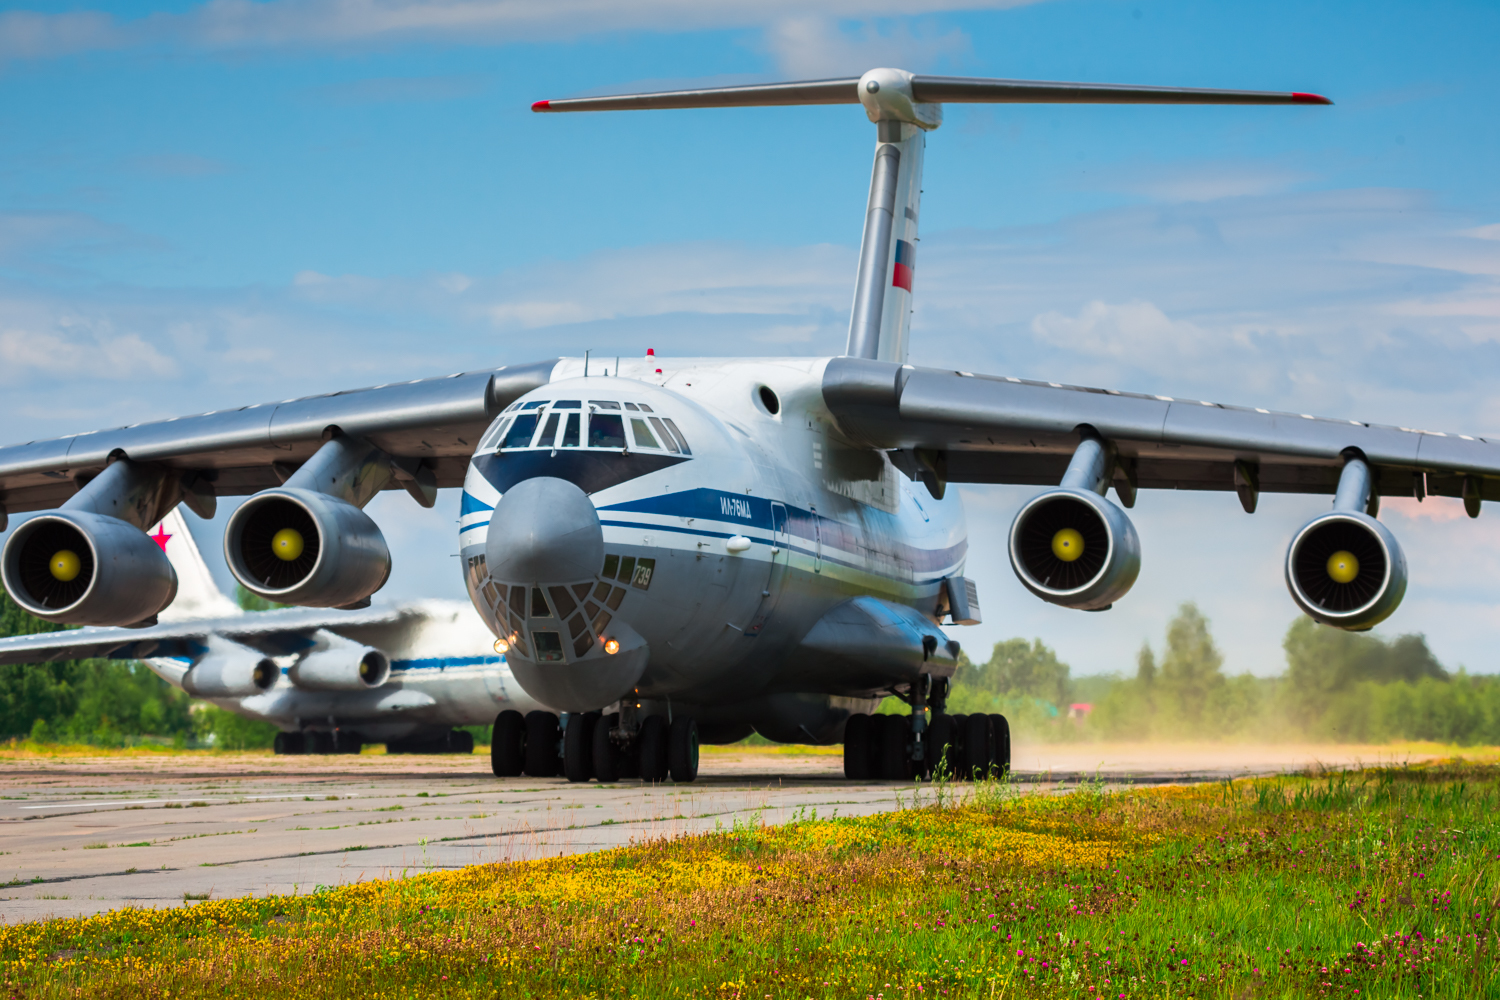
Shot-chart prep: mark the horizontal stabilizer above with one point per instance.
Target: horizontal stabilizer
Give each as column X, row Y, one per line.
column 927, row 90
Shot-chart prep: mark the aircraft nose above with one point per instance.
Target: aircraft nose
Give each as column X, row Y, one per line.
column 544, row 529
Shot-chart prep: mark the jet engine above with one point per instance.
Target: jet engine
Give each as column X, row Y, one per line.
column 1076, row 549
column 299, row 547
column 230, row 670
column 341, row 666
column 80, row 565
column 1344, row 568
column 308, row 542
column 1072, row 547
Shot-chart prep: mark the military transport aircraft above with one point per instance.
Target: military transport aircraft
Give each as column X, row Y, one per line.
column 679, row 550
column 403, row 675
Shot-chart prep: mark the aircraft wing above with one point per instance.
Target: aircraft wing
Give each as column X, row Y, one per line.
column 434, row 423
column 272, row 632
column 961, row 427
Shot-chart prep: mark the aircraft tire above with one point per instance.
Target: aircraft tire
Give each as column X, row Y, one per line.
column 508, row 744
column 460, row 742
column 976, row 747
column 348, row 744
column 288, row 743
column 653, row 746
column 941, row 746
column 857, row 753
column 892, row 747
column 609, row 761
column 957, row 759
column 1000, row 734
column 319, row 743
column 578, row 747
column 541, row 744
column 682, row 750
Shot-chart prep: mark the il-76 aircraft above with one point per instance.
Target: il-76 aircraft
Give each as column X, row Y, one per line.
column 680, row 550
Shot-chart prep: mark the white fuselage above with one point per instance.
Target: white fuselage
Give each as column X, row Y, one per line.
column 772, row 520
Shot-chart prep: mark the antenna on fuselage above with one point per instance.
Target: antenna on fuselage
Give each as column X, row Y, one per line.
column 904, row 107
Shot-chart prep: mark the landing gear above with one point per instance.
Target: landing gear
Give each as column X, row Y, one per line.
column 609, row 759
column 857, row 753
column 508, row 745
column 453, row 741
column 976, row 755
column 893, row 747
column 541, row 744
column 652, row 745
column 682, row 750
column 1000, row 741
column 578, row 747
column 288, row 743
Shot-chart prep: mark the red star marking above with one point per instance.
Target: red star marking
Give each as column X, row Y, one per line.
column 161, row 536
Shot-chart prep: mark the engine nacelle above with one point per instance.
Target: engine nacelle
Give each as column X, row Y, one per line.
column 230, row 670
column 296, row 546
column 1074, row 548
column 77, row 567
column 342, row 666
column 1345, row 569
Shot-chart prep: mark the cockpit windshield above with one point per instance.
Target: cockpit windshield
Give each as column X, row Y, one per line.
column 573, row 423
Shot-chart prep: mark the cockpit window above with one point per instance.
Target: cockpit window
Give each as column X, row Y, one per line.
column 631, row 406
column 535, row 404
column 494, row 434
column 606, row 430
column 642, row 434
column 549, row 433
column 661, row 432
column 681, row 441
column 570, row 432
column 521, row 431
column 604, row 404
column 567, row 404
column 646, row 408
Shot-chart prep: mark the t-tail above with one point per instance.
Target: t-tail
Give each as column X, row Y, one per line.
column 905, row 107
column 198, row 596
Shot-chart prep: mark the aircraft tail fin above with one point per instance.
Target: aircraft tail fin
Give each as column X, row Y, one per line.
column 198, row 596
column 905, row 106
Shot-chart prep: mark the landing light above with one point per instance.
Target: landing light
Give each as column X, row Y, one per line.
column 502, row 647
column 611, row 646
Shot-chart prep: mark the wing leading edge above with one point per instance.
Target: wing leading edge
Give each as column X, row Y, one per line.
column 962, row 427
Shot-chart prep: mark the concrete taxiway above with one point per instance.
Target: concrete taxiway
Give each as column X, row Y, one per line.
column 80, row 835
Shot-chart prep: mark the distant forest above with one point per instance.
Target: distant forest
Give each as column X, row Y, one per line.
column 1337, row 686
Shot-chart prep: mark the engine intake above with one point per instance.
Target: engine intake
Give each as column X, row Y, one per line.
column 230, row 670
column 296, row 546
column 75, row 567
column 1346, row 569
column 1074, row 548
column 343, row 666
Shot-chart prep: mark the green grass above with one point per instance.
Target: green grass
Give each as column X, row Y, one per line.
column 1369, row 884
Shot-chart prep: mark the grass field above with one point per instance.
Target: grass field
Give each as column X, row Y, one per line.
column 1376, row 883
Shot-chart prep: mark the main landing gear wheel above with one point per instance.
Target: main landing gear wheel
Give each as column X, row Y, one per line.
column 508, row 745
column 857, row 732
column 942, row 746
column 653, row 746
column 682, row 750
column 894, row 747
column 976, row 747
column 1000, row 740
column 609, row 760
column 541, row 744
column 578, row 747
column 288, row 743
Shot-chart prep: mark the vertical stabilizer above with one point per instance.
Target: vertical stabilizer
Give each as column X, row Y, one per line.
column 880, row 320
column 197, row 594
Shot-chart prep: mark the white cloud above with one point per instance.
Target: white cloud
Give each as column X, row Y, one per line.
column 1121, row 331
column 90, row 353
column 1208, row 181
column 221, row 25
column 815, row 45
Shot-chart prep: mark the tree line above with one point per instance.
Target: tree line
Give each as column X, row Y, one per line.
column 1339, row 686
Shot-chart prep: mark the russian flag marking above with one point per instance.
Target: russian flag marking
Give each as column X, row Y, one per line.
column 906, row 265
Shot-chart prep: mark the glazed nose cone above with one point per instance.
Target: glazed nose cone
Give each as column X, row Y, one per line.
column 544, row 530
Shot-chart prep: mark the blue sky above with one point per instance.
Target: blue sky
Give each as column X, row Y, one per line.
column 224, row 203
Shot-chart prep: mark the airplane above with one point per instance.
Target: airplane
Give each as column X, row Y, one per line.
column 682, row 551
column 403, row 675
